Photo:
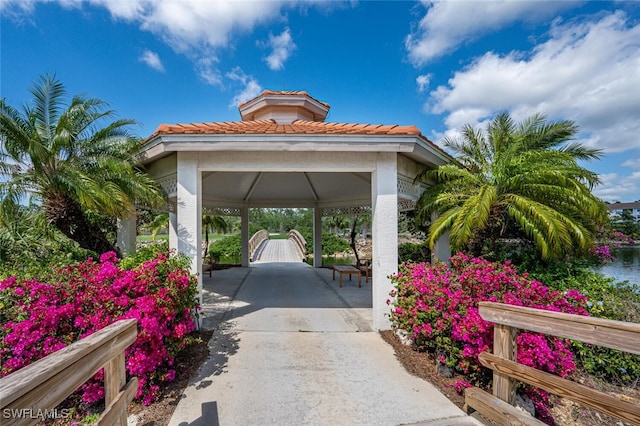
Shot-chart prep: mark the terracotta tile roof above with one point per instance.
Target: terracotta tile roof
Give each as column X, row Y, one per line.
column 271, row 127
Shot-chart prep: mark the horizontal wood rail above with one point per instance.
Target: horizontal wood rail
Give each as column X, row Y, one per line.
column 256, row 241
column 32, row 393
column 508, row 319
column 300, row 242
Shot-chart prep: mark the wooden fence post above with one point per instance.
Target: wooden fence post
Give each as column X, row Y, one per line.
column 115, row 378
column 505, row 346
column 44, row 384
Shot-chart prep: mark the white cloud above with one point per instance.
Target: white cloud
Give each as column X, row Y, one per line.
column 251, row 87
column 423, row 82
column 207, row 69
column 14, row 8
column 195, row 28
column 586, row 72
column 198, row 29
column 191, row 24
column 152, row 59
column 633, row 163
column 616, row 187
column 282, row 46
column 448, row 24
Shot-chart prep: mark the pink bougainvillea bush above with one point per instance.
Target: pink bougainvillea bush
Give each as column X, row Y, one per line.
column 437, row 305
column 39, row 318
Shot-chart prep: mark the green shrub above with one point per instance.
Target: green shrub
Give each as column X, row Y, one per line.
column 437, row 306
column 606, row 298
column 332, row 244
column 151, row 251
column 307, row 233
column 41, row 317
column 610, row 300
column 411, row 252
column 227, row 247
column 33, row 259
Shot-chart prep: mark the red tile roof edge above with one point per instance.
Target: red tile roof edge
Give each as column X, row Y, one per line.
column 270, row 126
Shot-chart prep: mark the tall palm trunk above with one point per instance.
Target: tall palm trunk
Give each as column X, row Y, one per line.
column 353, row 240
column 206, row 241
column 65, row 213
column 485, row 238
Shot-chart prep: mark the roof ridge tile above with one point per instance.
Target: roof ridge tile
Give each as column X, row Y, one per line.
column 297, row 126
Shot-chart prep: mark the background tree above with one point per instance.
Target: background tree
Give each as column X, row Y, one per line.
column 71, row 159
column 337, row 224
column 280, row 219
column 514, row 180
column 214, row 223
column 159, row 223
column 29, row 246
column 626, row 223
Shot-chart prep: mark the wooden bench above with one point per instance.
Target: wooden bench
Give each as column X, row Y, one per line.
column 346, row 269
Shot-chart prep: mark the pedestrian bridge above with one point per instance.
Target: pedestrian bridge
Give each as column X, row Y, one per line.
column 263, row 249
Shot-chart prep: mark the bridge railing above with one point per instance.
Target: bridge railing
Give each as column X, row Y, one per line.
column 255, row 242
column 300, row 243
column 508, row 319
column 32, row 393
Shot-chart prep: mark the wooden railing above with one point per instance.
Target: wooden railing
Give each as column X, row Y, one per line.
column 256, row 240
column 508, row 319
column 32, row 393
column 300, row 242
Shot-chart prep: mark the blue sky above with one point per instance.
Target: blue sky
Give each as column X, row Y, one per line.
column 436, row 65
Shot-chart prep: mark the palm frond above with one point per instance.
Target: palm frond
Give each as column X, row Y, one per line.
column 441, row 225
column 47, row 105
column 527, row 173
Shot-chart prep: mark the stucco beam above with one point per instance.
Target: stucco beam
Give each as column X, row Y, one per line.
column 311, row 188
column 223, row 140
column 292, row 162
column 254, row 184
column 286, row 203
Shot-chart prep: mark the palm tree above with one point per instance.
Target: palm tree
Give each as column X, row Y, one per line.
column 61, row 158
column 522, row 178
column 337, row 223
column 159, row 222
column 214, row 223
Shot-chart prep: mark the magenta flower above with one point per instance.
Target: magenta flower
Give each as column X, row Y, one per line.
column 437, row 305
column 81, row 299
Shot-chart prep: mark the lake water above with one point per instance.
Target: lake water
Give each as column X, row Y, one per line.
column 626, row 266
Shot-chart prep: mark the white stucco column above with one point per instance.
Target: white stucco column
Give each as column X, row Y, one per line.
column 442, row 248
column 317, row 237
column 126, row 234
column 189, row 210
column 173, row 230
column 244, row 235
column 384, row 226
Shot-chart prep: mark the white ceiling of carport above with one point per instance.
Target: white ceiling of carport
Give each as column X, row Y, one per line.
column 285, row 189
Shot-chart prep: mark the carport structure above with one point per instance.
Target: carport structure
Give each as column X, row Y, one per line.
column 284, row 154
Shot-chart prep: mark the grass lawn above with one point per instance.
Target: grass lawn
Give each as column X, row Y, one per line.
column 275, row 236
column 164, row 237
column 146, row 238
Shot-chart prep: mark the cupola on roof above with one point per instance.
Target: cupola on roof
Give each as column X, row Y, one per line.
column 283, row 107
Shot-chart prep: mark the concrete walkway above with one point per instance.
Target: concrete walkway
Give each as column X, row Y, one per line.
column 291, row 348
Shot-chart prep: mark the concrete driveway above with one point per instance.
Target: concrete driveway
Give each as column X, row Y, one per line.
column 292, row 348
